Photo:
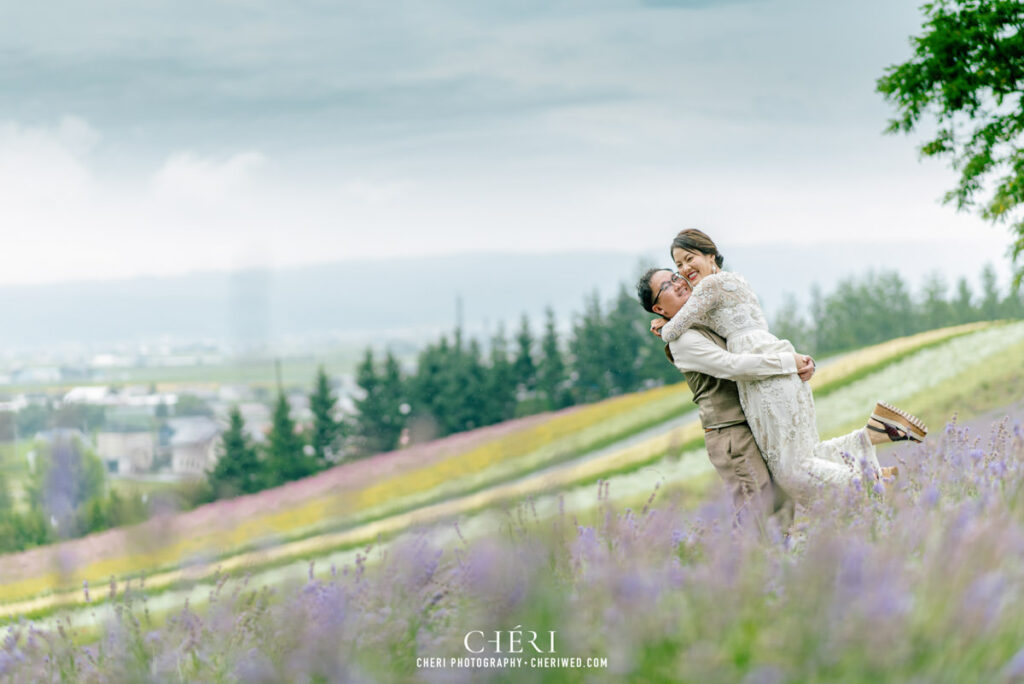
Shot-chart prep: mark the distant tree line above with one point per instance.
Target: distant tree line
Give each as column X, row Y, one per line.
column 456, row 386
column 460, row 384
column 879, row 306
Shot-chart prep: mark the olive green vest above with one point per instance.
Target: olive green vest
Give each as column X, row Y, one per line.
column 718, row 399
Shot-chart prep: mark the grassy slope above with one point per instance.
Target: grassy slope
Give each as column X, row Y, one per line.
column 977, row 389
column 985, row 386
column 693, row 489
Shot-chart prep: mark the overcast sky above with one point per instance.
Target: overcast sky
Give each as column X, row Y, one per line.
column 162, row 137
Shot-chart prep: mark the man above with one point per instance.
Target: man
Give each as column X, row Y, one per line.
column 711, row 372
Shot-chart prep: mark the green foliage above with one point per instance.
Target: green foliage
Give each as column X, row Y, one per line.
column 33, row 418
column 624, row 343
column 551, row 372
column 328, row 431
column 191, row 405
column 114, row 510
column 588, row 347
column 285, row 458
column 65, row 477
column 238, row 469
column 84, row 417
column 877, row 307
column 500, row 383
column 789, row 324
column 23, row 530
column 383, row 409
column 525, row 367
column 966, row 79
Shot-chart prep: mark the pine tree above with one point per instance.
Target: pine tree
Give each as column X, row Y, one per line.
column 525, row 368
column 500, row 382
column 589, row 349
column 623, row 341
column 238, row 468
column 989, row 294
column 963, row 306
column 935, row 309
column 395, row 402
column 383, row 408
column 471, row 389
column 425, row 389
column 551, row 374
column 286, row 458
column 327, row 431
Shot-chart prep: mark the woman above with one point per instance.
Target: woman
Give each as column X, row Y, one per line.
column 779, row 409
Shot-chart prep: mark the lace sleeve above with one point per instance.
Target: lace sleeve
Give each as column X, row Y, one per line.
column 706, row 296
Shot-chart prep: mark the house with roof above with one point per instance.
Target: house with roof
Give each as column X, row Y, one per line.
column 127, row 444
column 192, row 441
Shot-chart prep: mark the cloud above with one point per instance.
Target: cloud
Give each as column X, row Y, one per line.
column 190, row 176
column 40, row 164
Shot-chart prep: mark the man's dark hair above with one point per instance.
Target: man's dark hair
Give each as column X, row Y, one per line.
column 644, row 291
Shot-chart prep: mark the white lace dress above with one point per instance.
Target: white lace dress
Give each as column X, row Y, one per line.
column 779, row 409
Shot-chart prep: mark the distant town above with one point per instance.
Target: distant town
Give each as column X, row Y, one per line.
column 147, row 420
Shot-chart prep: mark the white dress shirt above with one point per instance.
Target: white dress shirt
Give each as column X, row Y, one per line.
column 693, row 352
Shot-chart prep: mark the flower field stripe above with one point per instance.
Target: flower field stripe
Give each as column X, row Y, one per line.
column 303, row 505
column 855, row 365
column 513, row 491
column 913, row 374
column 992, row 381
column 376, row 486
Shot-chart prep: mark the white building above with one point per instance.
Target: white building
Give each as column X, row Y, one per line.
column 194, row 441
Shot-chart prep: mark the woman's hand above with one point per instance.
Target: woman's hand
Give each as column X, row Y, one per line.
column 656, row 325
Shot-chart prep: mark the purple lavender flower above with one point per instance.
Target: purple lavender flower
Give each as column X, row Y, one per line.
column 1014, row 669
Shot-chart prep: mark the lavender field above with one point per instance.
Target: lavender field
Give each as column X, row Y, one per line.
column 918, row 580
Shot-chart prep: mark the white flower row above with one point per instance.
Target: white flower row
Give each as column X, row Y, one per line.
column 905, row 378
column 918, row 372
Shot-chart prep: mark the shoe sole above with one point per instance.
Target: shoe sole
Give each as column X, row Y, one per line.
column 890, row 415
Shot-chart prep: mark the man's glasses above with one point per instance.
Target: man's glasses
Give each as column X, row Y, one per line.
column 672, row 280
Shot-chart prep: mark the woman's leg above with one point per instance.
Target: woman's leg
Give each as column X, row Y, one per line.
column 780, row 411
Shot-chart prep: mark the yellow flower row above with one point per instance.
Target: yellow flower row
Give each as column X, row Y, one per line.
column 508, row 455
column 853, row 362
column 565, row 432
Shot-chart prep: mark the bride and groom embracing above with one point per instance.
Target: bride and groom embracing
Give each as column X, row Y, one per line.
column 755, row 405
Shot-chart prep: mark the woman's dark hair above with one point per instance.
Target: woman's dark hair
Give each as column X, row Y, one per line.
column 695, row 240
column 644, row 291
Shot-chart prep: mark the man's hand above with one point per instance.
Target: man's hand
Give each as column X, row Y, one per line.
column 656, row 325
column 804, row 366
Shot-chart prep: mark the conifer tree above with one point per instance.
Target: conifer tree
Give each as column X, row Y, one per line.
column 500, row 382
column 589, row 351
column 238, row 468
column 935, row 308
column 551, row 372
column 395, row 401
column 963, row 306
column 525, row 368
column 623, row 343
column 327, row 430
column 989, row 293
column 383, row 407
column 286, row 458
